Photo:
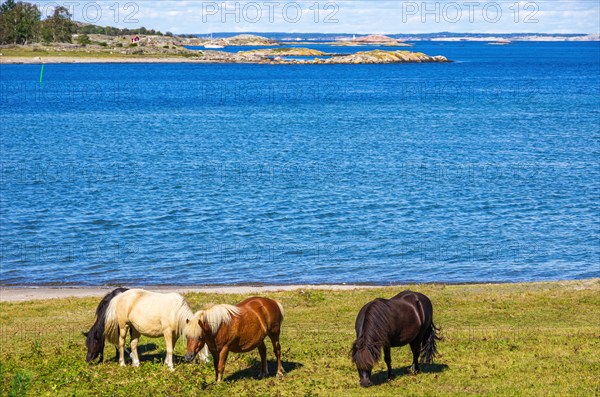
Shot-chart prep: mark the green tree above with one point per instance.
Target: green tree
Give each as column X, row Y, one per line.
column 109, row 30
column 6, row 29
column 19, row 22
column 7, row 6
column 83, row 39
column 58, row 27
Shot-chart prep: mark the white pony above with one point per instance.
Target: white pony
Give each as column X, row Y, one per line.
column 150, row 314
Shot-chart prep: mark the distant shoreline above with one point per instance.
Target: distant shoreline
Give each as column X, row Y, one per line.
column 210, row 57
column 29, row 293
column 20, row 294
column 352, row 59
column 85, row 60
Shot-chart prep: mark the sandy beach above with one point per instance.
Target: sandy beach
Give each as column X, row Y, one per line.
column 20, row 294
column 57, row 60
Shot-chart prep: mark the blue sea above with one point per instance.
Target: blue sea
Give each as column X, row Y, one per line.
column 485, row 169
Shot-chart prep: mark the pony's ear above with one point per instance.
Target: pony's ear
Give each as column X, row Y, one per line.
column 202, row 323
column 84, row 333
column 187, row 320
column 205, row 328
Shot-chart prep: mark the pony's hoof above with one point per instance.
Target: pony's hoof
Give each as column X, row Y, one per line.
column 279, row 375
column 262, row 375
column 121, row 364
column 136, row 364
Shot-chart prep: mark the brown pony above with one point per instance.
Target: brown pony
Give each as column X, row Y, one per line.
column 405, row 319
column 238, row 329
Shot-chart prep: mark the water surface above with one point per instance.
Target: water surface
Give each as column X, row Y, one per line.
column 486, row 169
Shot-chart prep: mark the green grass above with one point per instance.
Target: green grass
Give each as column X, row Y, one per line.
column 34, row 52
column 508, row 339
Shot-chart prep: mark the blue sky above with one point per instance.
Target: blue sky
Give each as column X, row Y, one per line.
column 349, row 16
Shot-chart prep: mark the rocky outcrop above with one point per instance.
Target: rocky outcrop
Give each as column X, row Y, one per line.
column 286, row 56
column 177, row 41
column 380, row 56
column 350, row 43
column 279, row 52
column 374, row 39
column 243, row 40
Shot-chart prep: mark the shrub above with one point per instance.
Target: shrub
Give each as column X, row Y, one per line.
column 133, row 45
column 83, row 39
column 103, row 44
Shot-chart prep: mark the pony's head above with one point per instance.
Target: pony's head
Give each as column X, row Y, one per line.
column 364, row 355
column 205, row 325
column 94, row 342
column 371, row 335
column 194, row 333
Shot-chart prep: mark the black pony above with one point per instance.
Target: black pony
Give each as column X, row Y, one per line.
column 94, row 339
column 407, row 318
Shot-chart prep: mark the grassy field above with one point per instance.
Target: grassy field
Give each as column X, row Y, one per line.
column 34, row 52
column 509, row 339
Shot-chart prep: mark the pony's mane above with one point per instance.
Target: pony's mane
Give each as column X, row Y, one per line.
column 372, row 334
column 182, row 314
column 219, row 315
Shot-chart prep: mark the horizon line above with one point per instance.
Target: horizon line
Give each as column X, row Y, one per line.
column 386, row 34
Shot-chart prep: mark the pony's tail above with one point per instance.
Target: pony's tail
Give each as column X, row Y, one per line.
column 280, row 309
column 428, row 345
column 99, row 326
column 111, row 325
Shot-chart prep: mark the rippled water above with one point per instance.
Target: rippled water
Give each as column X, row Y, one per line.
column 486, row 169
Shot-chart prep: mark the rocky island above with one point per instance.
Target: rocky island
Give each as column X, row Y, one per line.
column 370, row 40
column 310, row 56
column 373, row 39
column 241, row 40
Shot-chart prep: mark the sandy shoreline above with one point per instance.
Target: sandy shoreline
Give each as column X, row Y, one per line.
column 6, row 60
column 20, row 294
column 29, row 293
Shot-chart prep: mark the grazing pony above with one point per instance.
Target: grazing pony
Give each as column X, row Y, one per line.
column 239, row 328
column 150, row 314
column 407, row 318
column 94, row 338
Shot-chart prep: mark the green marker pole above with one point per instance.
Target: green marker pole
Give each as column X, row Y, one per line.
column 42, row 73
